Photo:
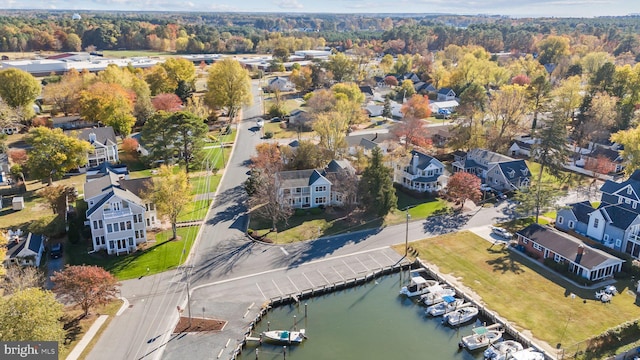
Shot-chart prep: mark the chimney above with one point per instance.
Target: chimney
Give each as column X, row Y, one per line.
column 92, row 137
column 579, row 254
column 414, row 162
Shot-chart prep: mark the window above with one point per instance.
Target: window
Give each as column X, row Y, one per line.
column 111, row 244
column 298, row 190
column 95, row 224
column 629, row 190
column 571, row 224
column 321, row 188
column 634, row 204
column 122, row 226
column 560, row 219
column 146, row 207
column 129, row 225
column 537, row 246
column 430, row 173
column 135, row 219
column 606, row 237
column 115, row 206
column 618, row 243
column 595, row 223
column 116, row 227
column 148, row 223
column 100, row 224
column 525, row 241
column 321, row 200
column 139, row 217
column 109, row 228
column 152, row 206
column 102, row 242
column 130, row 241
column 627, row 201
column 557, row 258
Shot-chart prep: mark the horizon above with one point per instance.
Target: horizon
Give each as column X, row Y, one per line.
column 494, row 8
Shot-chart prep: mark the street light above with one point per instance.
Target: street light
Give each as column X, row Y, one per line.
column 406, row 238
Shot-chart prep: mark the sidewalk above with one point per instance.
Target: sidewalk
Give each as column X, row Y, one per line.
column 86, row 339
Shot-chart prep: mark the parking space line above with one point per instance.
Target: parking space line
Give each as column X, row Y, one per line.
column 375, row 261
column 324, row 277
column 337, row 272
column 276, row 285
column 363, row 265
column 305, row 276
column 284, row 251
column 348, row 267
column 294, row 284
column 261, row 292
column 390, row 259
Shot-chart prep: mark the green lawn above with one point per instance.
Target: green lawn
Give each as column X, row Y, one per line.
column 419, row 208
column 529, row 297
column 159, row 256
column 280, row 133
column 195, row 210
column 199, row 184
column 567, row 180
column 521, row 223
column 217, row 159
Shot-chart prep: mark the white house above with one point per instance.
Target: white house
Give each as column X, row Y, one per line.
column 422, row 173
column 305, row 189
column 446, row 94
column 280, row 83
column 24, row 251
column 104, row 143
column 117, row 215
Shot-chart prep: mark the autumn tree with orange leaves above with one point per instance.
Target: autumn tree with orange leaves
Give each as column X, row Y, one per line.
column 416, row 107
column 463, row 186
column 87, row 286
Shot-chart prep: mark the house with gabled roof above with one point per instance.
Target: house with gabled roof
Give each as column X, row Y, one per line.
column 574, row 217
column 520, row 148
column 546, row 243
column 103, row 142
column 446, row 94
column 604, row 160
column 500, row 172
column 117, row 213
column 368, row 141
column 24, row 250
column 304, row 188
column 422, row 173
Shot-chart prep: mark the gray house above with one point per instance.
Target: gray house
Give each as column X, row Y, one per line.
column 574, row 217
column 500, row 172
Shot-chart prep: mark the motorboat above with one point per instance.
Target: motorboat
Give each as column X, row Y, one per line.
column 461, row 316
column 482, row 336
column 501, row 350
column 285, row 336
column 526, row 354
column 448, row 304
column 436, row 294
column 417, row 286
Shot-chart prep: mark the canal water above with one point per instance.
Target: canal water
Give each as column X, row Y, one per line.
column 370, row 321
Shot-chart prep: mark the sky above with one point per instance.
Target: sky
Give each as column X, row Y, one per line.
column 513, row 8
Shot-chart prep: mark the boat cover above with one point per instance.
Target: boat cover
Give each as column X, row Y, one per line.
column 448, row 299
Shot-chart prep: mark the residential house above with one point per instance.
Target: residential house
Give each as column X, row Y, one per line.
column 103, row 141
column 582, row 260
column 616, row 221
column 603, row 160
column 520, row 148
column 71, row 122
column 440, row 135
column 5, row 173
column 446, row 94
column 103, row 169
column 437, row 107
column 422, row 173
column 367, row 91
column 374, row 109
column 299, row 117
column 500, row 172
column 409, row 76
column 24, row 250
column 117, row 214
column 281, row 84
column 367, row 142
column 305, row 189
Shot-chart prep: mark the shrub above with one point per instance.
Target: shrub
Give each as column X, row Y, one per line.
column 130, row 145
column 299, row 212
column 266, row 240
column 315, row 211
column 268, row 135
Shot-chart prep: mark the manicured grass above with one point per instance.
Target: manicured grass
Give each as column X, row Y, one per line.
column 567, row 180
column 521, row 223
column 530, row 297
column 78, row 329
column 199, row 184
column 280, row 133
column 550, row 214
column 418, row 208
column 159, row 256
column 195, row 210
column 217, row 159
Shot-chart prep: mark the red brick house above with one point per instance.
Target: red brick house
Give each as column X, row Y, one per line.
column 583, row 260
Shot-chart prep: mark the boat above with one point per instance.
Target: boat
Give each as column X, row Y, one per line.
column 285, row 336
column 449, row 304
column 500, row 350
column 417, row 286
column 461, row 316
column 436, row 294
column 482, row 336
column 526, row 354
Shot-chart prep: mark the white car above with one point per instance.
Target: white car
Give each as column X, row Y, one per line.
column 260, row 123
column 485, row 187
column 503, row 233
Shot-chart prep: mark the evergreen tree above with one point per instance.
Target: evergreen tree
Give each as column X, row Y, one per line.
column 376, row 192
column 386, row 110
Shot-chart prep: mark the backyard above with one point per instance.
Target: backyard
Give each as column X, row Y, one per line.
column 530, row 297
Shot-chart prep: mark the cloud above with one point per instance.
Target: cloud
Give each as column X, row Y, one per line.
column 289, row 4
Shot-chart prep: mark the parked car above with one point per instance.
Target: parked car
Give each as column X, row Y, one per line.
column 503, row 233
column 260, row 123
column 485, row 187
column 56, row 251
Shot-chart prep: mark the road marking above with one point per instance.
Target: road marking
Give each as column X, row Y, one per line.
column 285, row 268
column 334, row 269
column 374, row 260
column 305, row 276
column 348, row 267
column 387, row 256
column 325, row 279
column 363, row 265
column 276, row 285
column 284, row 251
column 261, row 291
column 294, row 284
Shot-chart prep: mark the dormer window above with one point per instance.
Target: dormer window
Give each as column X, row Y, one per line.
column 629, row 190
column 524, row 172
column 512, row 173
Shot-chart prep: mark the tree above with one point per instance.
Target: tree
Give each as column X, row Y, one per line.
column 171, row 193
column 179, row 69
column 167, row 102
column 342, row 67
column 537, row 93
column 58, row 197
column 386, row 109
column 53, row 153
column 307, row 156
column 109, row 104
column 413, row 131
column 551, row 49
column 281, row 54
column 630, row 140
column 506, row 111
column 386, row 64
column 87, row 286
column 597, row 116
column 417, row 107
column 463, row 186
column 31, row 315
column 390, row 80
column 567, row 97
column 528, row 199
column 265, row 203
column 301, row 78
column 331, row 127
column 18, row 88
column 64, row 94
column 158, row 80
column 406, row 89
column 185, row 90
column 20, row 278
column 376, row 191
column 229, row 86
column 143, row 109
column 73, row 42
column 130, row 145
column 190, row 132
column 551, row 152
column 158, row 136
column 18, row 156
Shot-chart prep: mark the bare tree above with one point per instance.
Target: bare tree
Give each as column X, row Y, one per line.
column 22, row 277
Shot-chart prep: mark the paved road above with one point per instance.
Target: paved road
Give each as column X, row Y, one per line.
column 224, row 261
